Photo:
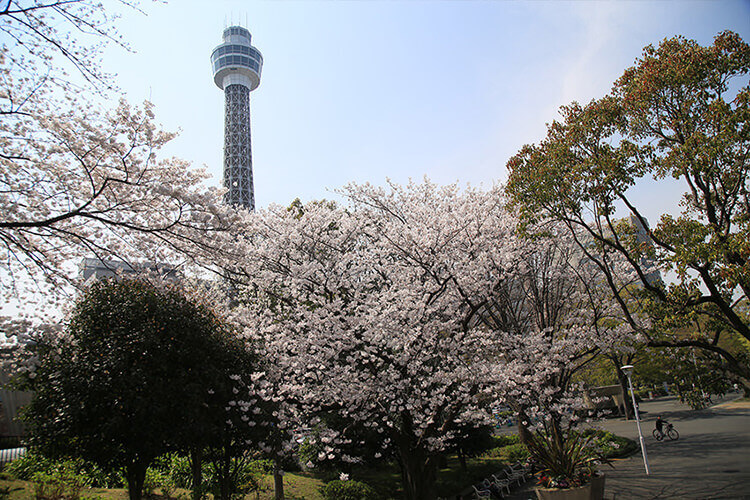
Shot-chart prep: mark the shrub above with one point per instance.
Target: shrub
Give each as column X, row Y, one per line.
column 177, row 469
column 347, row 490
column 514, row 453
column 493, row 452
column 167, row 487
column 153, row 480
column 244, row 478
column 505, row 440
column 510, row 453
column 26, row 466
column 174, row 472
column 611, row 445
column 63, row 484
column 262, row 466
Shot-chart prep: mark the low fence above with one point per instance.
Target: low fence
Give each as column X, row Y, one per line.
column 11, row 448
column 10, row 454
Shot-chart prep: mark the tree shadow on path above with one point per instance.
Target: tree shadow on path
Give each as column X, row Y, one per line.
column 709, row 465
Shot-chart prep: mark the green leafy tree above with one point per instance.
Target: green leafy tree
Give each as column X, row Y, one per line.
column 694, row 374
column 130, row 379
column 682, row 112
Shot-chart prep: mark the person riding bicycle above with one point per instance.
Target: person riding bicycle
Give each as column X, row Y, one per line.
column 665, row 429
column 660, row 423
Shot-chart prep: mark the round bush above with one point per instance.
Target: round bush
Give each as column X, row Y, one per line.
column 347, row 490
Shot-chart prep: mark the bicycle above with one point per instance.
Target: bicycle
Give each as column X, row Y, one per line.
column 671, row 433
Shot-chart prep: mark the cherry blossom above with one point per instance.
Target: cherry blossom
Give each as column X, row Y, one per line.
column 413, row 309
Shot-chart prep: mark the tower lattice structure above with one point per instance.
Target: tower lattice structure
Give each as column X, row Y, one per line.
column 237, row 66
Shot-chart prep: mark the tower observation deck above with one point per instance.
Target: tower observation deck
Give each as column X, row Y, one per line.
column 237, row 66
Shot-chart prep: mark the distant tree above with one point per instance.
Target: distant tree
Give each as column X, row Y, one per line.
column 471, row 440
column 682, row 112
column 694, row 374
column 138, row 372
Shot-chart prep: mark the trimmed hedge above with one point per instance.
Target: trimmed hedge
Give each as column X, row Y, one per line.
column 347, row 490
column 510, row 453
column 505, row 440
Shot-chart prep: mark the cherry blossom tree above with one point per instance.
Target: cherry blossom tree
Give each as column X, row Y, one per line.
column 554, row 315
column 77, row 178
column 396, row 314
column 81, row 182
column 47, row 40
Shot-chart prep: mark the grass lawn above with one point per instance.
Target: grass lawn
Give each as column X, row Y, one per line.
column 296, row 486
column 23, row 490
column 387, row 481
column 451, row 480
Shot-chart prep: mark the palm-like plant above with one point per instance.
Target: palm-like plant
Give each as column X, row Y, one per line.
column 566, row 459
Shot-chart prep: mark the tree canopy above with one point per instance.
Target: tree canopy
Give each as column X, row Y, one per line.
column 78, row 179
column 404, row 315
column 140, row 370
column 681, row 112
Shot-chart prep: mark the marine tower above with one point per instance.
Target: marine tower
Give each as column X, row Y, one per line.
column 237, row 65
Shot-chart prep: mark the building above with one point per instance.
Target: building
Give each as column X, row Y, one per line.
column 646, row 244
column 101, row 268
column 11, row 401
column 634, row 234
column 236, row 66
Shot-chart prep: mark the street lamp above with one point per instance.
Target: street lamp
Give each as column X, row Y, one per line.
column 627, row 370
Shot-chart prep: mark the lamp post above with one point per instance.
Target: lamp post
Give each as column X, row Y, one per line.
column 627, row 370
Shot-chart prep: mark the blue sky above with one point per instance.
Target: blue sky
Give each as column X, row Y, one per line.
column 369, row 90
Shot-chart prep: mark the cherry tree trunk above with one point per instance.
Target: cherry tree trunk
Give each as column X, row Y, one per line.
column 627, row 402
column 278, row 481
column 523, row 427
column 418, row 474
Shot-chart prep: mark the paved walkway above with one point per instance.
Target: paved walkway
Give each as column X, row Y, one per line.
column 711, row 460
